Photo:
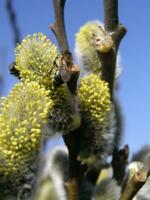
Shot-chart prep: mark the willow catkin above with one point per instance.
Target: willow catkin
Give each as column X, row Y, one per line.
column 97, row 119
column 23, row 116
column 34, row 59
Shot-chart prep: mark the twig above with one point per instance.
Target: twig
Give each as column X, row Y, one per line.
column 65, row 63
column 76, row 170
column 58, row 27
column 67, row 73
column 136, row 181
column 119, row 162
column 13, row 21
column 108, row 62
column 110, row 14
column 112, row 26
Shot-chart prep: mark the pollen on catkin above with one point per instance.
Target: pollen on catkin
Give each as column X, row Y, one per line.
column 23, row 117
column 95, row 98
column 96, row 116
column 35, row 58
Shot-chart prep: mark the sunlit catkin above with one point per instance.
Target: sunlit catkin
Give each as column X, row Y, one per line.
column 23, row 116
column 97, row 120
column 35, row 58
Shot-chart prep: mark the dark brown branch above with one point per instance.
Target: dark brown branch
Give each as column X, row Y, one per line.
column 118, row 35
column 119, row 162
column 72, row 141
column 108, row 62
column 59, row 26
column 110, row 14
column 65, row 59
column 13, row 21
column 117, row 31
column 76, row 170
column 72, row 83
column 67, row 72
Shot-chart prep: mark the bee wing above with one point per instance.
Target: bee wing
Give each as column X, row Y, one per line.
column 65, row 75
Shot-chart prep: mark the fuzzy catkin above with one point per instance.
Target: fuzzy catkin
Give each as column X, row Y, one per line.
column 94, row 96
column 84, row 49
column 92, row 38
column 54, row 174
column 97, row 117
column 34, row 59
column 22, row 119
column 107, row 189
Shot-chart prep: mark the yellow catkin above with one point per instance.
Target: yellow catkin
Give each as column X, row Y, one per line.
column 95, row 98
column 23, row 116
column 34, row 59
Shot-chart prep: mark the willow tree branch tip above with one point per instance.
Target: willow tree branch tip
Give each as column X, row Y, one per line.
column 58, row 27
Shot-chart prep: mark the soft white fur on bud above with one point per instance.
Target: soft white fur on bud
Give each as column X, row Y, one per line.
column 107, row 189
column 85, row 50
column 51, row 183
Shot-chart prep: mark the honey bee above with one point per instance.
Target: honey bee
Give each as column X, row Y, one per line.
column 63, row 64
column 13, row 70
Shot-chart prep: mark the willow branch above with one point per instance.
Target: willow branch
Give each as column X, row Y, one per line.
column 58, row 27
column 76, row 171
column 119, row 163
column 13, row 21
column 108, row 62
column 117, row 31
column 110, row 14
column 67, row 73
column 136, row 181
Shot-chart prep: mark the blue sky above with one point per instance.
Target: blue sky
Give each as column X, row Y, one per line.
column 134, row 94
